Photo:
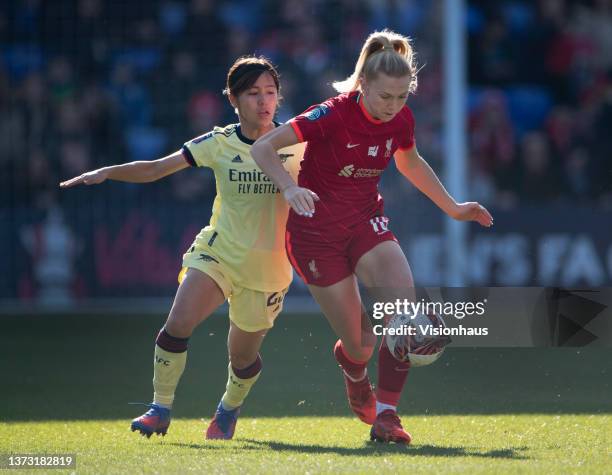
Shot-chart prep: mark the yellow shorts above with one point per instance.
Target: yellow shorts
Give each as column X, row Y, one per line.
column 250, row 310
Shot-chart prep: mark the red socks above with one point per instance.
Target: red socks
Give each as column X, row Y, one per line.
column 392, row 373
column 392, row 376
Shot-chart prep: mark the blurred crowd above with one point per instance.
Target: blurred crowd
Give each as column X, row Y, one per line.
column 541, row 100
column 87, row 83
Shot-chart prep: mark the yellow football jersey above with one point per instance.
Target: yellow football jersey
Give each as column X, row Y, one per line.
column 247, row 226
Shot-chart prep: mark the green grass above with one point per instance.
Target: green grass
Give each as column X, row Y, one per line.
column 475, row 411
column 465, row 444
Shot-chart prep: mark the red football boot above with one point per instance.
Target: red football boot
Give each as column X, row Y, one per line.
column 361, row 398
column 388, row 428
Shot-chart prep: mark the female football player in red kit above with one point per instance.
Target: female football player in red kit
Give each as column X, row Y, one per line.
column 337, row 232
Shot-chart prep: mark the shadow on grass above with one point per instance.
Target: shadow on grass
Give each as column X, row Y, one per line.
column 370, row 448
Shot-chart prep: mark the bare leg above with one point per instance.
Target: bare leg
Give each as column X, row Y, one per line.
column 342, row 307
column 341, row 304
column 385, row 271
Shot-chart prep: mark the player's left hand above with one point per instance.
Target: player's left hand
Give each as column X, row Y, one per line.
column 472, row 211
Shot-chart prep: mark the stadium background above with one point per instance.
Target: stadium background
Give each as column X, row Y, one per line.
column 89, row 83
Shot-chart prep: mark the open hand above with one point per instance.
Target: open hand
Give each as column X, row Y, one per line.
column 90, row 178
column 301, row 200
column 472, row 211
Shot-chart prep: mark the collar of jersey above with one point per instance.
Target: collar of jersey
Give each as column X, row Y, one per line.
column 247, row 140
column 365, row 111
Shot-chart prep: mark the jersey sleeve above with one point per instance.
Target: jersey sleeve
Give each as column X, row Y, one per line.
column 201, row 151
column 407, row 138
column 317, row 122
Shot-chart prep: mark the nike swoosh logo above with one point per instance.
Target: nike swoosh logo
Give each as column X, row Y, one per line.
column 397, row 368
column 352, row 145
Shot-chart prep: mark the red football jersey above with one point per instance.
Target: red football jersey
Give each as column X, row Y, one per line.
column 346, row 153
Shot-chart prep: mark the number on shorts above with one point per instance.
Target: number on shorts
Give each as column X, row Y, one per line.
column 275, row 298
column 380, row 224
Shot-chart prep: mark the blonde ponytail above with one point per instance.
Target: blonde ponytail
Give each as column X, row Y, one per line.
column 383, row 52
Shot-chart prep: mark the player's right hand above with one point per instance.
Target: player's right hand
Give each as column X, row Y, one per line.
column 301, row 200
column 90, row 178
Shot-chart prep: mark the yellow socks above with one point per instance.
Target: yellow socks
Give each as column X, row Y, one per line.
column 239, row 383
column 168, row 367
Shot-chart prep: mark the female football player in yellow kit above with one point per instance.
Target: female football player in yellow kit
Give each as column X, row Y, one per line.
column 240, row 256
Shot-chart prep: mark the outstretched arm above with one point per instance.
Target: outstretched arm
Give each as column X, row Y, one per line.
column 417, row 170
column 264, row 152
column 133, row 172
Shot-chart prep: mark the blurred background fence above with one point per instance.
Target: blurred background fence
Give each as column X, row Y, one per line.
column 88, row 83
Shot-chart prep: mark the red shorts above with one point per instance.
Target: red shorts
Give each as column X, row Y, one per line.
column 323, row 259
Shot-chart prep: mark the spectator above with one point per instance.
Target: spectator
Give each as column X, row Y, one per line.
column 540, row 179
column 134, row 78
column 578, row 174
column 492, row 133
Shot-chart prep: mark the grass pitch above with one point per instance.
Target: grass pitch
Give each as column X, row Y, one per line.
column 474, row 411
column 443, row 444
